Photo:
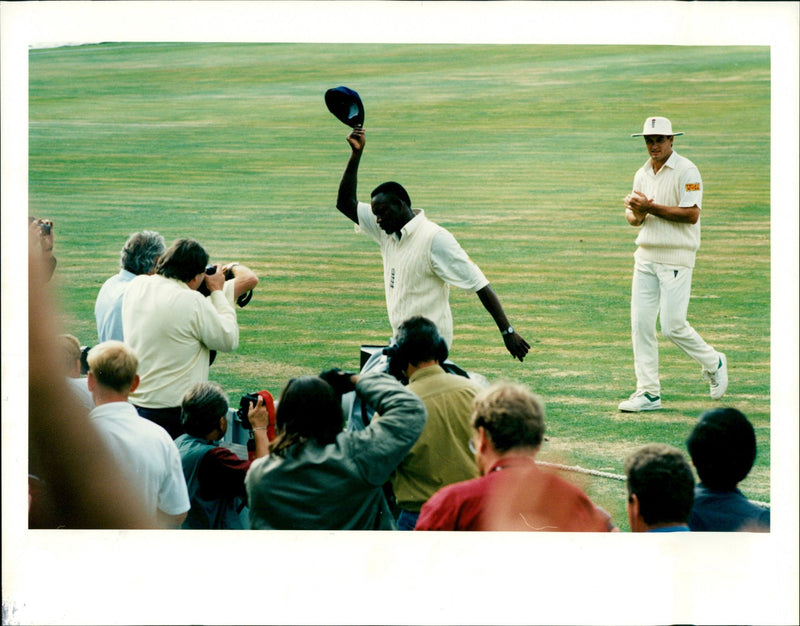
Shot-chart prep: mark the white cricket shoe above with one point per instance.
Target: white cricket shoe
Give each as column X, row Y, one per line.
column 718, row 381
column 640, row 401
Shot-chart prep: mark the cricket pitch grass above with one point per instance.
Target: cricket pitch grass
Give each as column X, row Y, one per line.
column 522, row 151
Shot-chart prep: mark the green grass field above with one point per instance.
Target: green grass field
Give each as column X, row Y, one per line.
column 522, row 151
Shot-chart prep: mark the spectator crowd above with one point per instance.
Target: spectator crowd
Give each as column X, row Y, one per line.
column 441, row 451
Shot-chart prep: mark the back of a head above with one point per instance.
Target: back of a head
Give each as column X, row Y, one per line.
column 419, row 341
column 202, row 407
column 183, row 260
column 723, row 448
column 141, row 252
column 663, row 482
column 393, row 189
column 69, row 352
column 308, row 409
column 511, row 414
column 113, row 364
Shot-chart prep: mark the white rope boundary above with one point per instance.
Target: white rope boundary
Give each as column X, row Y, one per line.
column 591, row 472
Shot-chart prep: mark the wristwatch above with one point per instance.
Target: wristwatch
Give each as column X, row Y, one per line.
column 508, row 331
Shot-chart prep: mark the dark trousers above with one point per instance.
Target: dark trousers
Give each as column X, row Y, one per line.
column 406, row 520
column 168, row 418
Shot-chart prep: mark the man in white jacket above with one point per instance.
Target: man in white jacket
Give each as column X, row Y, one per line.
column 172, row 328
column 665, row 204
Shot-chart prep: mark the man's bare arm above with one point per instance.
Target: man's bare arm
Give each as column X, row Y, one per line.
column 347, row 200
column 515, row 344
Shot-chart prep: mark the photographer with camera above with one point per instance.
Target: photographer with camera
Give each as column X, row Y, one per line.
column 441, row 456
column 73, row 355
column 214, row 474
column 319, row 477
column 173, row 328
column 41, row 237
column 239, row 283
column 238, row 288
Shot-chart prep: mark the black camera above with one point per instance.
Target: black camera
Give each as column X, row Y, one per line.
column 247, row 400
column 84, row 360
column 242, row 300
column 209, row 271
column 251, row 399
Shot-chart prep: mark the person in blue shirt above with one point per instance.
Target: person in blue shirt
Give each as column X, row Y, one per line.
column 138, row 256
column 660, row 489
column 723, row 449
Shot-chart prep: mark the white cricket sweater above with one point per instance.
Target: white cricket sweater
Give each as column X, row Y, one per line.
column 677, row 183
column 418, row 269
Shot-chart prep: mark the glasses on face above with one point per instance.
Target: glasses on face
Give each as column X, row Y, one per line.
column 650, row 139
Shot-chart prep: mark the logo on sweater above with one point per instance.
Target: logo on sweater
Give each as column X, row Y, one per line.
column 692, row 186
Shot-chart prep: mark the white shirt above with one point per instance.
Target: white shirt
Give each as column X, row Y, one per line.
column 146, row 454
column 81, row 388
column 108, row 306
column 172, row 328
column 418, row 268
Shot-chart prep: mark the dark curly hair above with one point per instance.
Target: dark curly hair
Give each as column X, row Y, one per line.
column 418, row 341
column 663, row 482
column 723, row 448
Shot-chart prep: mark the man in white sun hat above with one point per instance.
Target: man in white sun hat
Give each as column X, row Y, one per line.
column 665, row 205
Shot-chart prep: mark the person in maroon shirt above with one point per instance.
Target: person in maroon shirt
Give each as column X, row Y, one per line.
column 214, row 474
column 512, row 493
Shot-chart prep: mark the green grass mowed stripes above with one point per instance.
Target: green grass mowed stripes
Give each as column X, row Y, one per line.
column 522, row 151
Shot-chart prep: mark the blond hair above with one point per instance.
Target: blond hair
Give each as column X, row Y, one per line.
column 70, row 351
column 113, row 364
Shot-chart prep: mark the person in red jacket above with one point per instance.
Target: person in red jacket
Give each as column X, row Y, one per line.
column 512, row 493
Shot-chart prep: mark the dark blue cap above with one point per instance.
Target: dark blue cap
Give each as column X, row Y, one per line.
column 346, row 105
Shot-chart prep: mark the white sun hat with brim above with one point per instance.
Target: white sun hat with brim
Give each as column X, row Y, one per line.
column 656, row 126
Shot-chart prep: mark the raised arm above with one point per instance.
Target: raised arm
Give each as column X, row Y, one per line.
column 244, row 279
column 515, row 344
column 214, row 322
column 382, row 445
column 347, row 200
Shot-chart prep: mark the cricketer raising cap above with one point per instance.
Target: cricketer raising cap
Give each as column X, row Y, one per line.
column 656, row 126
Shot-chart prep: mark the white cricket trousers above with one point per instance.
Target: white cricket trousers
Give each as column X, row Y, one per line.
column 663, row 290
